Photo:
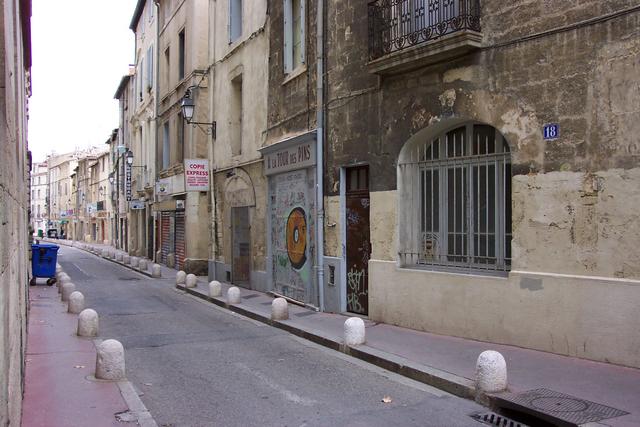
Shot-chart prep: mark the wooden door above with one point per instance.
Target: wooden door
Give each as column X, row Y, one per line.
column 357, row 239
column 241, row 242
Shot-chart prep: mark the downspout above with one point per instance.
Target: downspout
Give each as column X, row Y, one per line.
column 320, row 151
column 156, row 101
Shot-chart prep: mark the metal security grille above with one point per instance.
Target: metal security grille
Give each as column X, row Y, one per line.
column 180, row 248
column 165, row 236
column 458, row 188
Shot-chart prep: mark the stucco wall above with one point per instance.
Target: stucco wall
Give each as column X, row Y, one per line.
column 575, row 316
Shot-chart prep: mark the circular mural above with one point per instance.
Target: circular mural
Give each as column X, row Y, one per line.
column 297, row 238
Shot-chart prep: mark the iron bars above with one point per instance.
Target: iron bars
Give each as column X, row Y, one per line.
column 399, row 24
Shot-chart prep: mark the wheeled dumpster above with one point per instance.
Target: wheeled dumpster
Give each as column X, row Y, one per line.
column 43, row 262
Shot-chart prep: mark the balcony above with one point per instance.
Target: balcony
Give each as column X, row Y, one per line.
column 407, row 34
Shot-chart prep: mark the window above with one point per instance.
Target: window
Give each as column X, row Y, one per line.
column 38, row 193
column 180, row 148
column 294, row 34
column 457, row 193
column 235, row 119
column 150, row 67
column 167, row 62
column 166, row 147
column 235, row 20
column 181, row 55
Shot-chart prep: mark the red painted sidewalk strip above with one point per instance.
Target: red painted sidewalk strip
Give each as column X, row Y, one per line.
column 57, row 391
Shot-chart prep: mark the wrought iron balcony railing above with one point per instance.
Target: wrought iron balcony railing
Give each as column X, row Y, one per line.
column 399, row 24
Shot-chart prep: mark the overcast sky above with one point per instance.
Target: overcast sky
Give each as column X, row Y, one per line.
column 81, row 50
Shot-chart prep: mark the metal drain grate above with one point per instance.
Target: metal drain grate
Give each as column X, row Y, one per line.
column 493, row 419
column 251, row 296
column 127, row 279
column 554, row 406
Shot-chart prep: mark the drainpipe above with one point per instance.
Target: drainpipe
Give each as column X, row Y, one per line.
column 156, row 101
column 320, row 151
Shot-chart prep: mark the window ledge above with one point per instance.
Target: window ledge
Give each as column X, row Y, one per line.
column 446, row 47
column 302, row 69
column 466, row 272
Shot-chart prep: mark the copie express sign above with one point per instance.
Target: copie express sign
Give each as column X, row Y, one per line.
column 196, row 175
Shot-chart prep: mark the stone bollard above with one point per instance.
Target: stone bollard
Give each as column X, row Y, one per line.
column 105, row 253
column 112, row 254
column 135, row 261
column 233, row 295
column 181, row 277
column 76, row 302
column 119, row 257
column 142, row 264
column 110, row 361
column 58, row 269
column 491, row 372
column 354, row 331
column 126, row 259
column 279, row 309
column 156, row 271
column 191, row 281
column 105, row 242
column 67, row 289
column 88, row 323
column 64, row 278
column 215, row 289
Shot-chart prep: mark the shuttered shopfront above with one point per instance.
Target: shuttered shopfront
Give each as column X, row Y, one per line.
column 180, row 248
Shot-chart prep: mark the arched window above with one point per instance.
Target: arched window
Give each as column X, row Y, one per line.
column 455, row 201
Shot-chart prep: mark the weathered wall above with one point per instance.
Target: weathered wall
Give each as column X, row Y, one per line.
column 292, row 99
column 14, row 203
column 573, row 198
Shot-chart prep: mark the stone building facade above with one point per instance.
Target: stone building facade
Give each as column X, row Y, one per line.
column 39, row 191
column 487, row 170
column 15, row 89
column 182, row 63
column 239, row 75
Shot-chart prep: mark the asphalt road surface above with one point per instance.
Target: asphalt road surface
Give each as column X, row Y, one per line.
column 195, row 364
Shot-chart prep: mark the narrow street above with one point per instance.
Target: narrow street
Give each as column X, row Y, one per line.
column 195, row 364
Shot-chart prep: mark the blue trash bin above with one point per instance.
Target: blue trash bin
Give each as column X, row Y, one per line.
column 43, row 262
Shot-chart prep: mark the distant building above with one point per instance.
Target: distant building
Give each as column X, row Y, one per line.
column 39, row 197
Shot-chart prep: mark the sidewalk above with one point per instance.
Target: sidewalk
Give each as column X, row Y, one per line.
column 449, row 363
column 58, row 388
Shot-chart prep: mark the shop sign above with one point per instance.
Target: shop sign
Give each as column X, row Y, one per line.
column 196, row 175
column 128, row 182
column 63, row 214
column 136, row 205
column 100, row 205
column 298, row 153
column 163, row 187
column 91, row 208
column 102, row 214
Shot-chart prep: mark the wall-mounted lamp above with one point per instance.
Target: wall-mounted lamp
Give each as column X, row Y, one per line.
column 112, row 178
column 129, row 158
column 188, row 110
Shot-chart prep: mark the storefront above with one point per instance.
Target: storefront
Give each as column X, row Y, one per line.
column 290, row 169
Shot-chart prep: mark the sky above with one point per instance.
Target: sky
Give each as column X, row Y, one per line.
column 81, row 49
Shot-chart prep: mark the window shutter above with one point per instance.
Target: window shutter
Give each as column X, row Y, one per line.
column 288, row 37
column 150, row 67
column 303, row 40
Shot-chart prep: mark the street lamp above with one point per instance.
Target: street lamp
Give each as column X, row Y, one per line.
column 112, row 178
column 129, row 157
column 188, row 108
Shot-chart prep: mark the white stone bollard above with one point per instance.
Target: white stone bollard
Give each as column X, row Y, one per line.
column 112, row 254
column 105, row 253
column 279, row 309
column 119, row 257
column 354, row 331
column 233, row 295
column 491, row 372
column 110, row 361
column 142, row 264
column 215, row 289
column 191, row 281
column 76, row 302
column 88, row 323
column 126, row 259
column 135, row 261
column 105, row 242
column 67, row 289
column 156, row 271
column 58, row 269
column 181, row 277
column 64, row 278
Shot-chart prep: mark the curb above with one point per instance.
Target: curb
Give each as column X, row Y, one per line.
column 451, row 383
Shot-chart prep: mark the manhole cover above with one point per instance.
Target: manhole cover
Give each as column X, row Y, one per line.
column 552, row 405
